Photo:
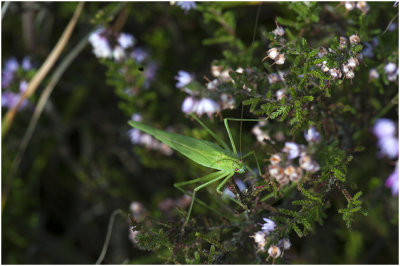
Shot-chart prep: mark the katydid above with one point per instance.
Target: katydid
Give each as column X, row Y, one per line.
column 227, row 162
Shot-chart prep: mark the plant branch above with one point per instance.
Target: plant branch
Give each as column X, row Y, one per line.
column 44, row 69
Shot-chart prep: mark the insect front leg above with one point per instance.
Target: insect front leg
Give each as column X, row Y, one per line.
column 229, row 131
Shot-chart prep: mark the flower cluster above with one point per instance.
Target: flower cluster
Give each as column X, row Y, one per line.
column 361, row 5
column 281, row 167
column 138, row 137
column 205, row 105
column 347, row 67
column 107, row 44
column 261, row 237
column 391, row 71
column 274, row 54
column 13, row 82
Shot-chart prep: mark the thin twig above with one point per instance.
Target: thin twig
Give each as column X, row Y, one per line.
column 44, row 69
column 108, row 236
column 122, row 17
column 390, row 22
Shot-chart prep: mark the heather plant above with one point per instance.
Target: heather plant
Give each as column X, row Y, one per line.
column 309, row 90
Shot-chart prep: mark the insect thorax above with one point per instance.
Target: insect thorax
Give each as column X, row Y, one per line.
column 230, row 163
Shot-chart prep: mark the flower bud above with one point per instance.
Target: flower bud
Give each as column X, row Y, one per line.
column 275, row 158
column 335, row 73
column 354, row 39
column 280, row 60
column 373, row 74
column 349, row 5
column 279, row 31
column 322, row 52
column 352, row 62
column 350, row 74
column 274, row 251
column 273, row 53
column 345, row 68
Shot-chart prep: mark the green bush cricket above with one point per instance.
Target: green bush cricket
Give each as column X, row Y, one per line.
column 226, row 161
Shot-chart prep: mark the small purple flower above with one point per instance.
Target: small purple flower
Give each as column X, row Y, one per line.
column 384, row 128
column 137, row 117
column 368, row 51
column 392, row 27
column 118, row 53
column 11, row 65
column 189, row 105
column 101, row 47
column 240, row 185
column 126, row 40
column 183, row 78
column 292, row 149
column 393, row 181
column 139, row 54
column 135, row 135
column 268, row 226
column 186, row 5
column 150, row 71
column 23, row 85
column 285, row 243
column 26, row 63
column 312, row 135
column 207, row 106
column 7, row 74
column 10, row 99
column 390, row 68
column 389, row 146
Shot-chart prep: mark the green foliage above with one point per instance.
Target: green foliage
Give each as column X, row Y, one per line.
column 83, row 162
column 353, row 206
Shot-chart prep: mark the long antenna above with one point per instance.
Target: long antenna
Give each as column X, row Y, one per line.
column 251, row 57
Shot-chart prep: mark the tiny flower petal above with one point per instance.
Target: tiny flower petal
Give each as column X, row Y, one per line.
column 285, row 243
column 268, row 226
column 384, row 128
column 312, row 135
column 186, row 5
column 126, row 40
column 389, row 146
column 183, row 78
column 189, row 105
column 292, row 149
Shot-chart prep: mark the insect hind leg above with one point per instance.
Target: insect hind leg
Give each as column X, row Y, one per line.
column 210, row 178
